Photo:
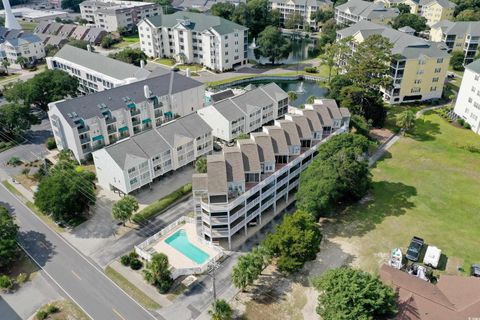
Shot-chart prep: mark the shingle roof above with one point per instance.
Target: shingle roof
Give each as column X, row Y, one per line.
column 24, row 39
column 251, row 158
column 368, row 10
column 303, row 127
column 197, row 21
column 313, row 119
column 265, row 146
column 404, row 44
column 87, row 106
column 200, row 181
column 111, row 67
column 291, row 132
column 279, row 141
column 459, row 28
column 217, row 183
column 443, row 3
column 474, row 66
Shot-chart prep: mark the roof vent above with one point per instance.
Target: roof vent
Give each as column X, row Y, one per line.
column 147, row 92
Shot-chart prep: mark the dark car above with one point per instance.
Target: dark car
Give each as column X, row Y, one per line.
column 414, row 249
column 475, row 270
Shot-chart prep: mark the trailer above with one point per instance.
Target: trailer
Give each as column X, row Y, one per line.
column 432, row 256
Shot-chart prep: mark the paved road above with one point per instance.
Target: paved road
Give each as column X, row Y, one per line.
column 81, row 280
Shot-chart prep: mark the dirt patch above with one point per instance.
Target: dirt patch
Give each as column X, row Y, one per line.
column 67, row 310
column 381, row 135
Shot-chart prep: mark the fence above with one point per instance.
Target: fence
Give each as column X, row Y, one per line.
column 269, row 78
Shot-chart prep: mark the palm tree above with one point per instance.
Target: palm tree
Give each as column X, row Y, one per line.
column 201, row 165
column 22, row 61
column 406, row 120
column 221, row 310
column 292, row 96
column 5, row 64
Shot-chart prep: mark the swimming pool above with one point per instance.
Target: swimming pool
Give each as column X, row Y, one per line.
column 179, row 241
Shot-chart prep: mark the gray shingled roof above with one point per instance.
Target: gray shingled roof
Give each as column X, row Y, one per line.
column 233, row 164
column 404, row 44
column 217, row 182
column 279, row 141
column 368, row 10
column 443, row 3
column 199, row 22
column 459, row 28
column 474, row 66
column 87, row 106
column 100, row 63
column 303, row 126
column 251, row 158
column 291, row 132
column 265, row 146
column 313, row 120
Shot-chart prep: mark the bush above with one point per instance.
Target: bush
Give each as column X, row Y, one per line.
column 41, row 315
column 21, row 278
column 460, row 121
column 125, row 260
column 161, row 204
column 51, row 144
column 133, row 255
column 6, row 283
column 52, row 309
column 136, row 264
column 311, row 69
column 25, row 171
column 467, row 125
column 14, row 161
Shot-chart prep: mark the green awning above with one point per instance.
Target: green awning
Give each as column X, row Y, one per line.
column 131, row 105
column 96, row 138
column 147, row 120
column 168, row 114
column 122, row 129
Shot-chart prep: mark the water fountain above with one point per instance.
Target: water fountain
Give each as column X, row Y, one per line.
column 253, row 45
column 300, row 88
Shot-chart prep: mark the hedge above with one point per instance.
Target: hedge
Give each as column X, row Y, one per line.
column 161, row 204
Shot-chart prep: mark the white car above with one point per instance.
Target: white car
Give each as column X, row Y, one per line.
column 432, row 256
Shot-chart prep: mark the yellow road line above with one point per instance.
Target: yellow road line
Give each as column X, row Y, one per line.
column 76, row 275
column 118, row 314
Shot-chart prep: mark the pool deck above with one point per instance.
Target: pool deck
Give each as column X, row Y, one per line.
column 175, row 257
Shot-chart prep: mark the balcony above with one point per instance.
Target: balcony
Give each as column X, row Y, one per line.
column 135, row 121
column 109, row 120
column 111, row 129
column 84, row 140
column 82, row 129
column 134, row 112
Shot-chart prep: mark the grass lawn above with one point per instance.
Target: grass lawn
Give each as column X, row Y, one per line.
column 427, row 185
column 126, row 41
column 28, row 26
column 66, row 310
column 131, row 289
column 165, row 61
column 23, row 264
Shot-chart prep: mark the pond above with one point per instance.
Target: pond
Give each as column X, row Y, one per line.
column 303, row 88
column 302, row 49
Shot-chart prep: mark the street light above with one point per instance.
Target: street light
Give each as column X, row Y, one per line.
column 212, row 268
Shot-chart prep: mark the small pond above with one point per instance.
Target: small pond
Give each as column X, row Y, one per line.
column 303, row 88
column 302, row 49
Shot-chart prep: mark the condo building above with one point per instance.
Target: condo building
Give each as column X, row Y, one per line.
column 419, row 68
column 461, row 36
column 246, row 112
column 432, row 10
column 190, row 37
column 88, row 123
column 144, row 158
column 247, row 185
column 112, row 14
column 467, row 105
column 95, row 72
column 357, row 10
column 17, row 44
column 304, row 8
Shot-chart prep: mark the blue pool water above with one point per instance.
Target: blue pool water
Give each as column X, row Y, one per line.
column 180, row 242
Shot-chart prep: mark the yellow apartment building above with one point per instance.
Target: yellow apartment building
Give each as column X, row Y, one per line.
column 432, row 10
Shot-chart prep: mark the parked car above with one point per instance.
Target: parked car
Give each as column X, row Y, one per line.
column 414, row 249
column 475, row 270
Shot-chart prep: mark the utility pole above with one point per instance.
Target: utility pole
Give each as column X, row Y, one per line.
column 211, row 271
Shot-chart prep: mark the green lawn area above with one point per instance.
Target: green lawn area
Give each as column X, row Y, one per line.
column 126, row 41
column 131, row 289
column 428, row 186
column 28, row 26
column 165, row 61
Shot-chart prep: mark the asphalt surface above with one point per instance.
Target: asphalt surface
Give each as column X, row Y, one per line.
column 84, row 283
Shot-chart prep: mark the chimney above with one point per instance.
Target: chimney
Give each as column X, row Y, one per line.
column 147, row 92
column 142, row 64
column 10, row 20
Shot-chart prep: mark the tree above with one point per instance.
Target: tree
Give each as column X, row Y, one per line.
column 406, row 120
column 361, row 125
column 65, row 199
column 43, row 88
column 221, row 310
column 351, row 294
column 411, row 20
column 337, row 175
column 294, row 21
column 223, row 9
column 5, row 65
column 107, row 42
column 272, row 44
column 249, row 267
column 468, row 15
column 166, row 6
column 82, row 44
column 365, row 102
column 255, row 15
column 201, row 165
column 15, row 119
column 71, row 4
column 8, row 238
column 124, row 208
column 322, row 15
column 21, row 61
column 51, row 50
column 403, row 8
column 157, row 272
column 129, row 55
column 328, row 34
column 292, row 96
column 456, row 61
column 295, row 241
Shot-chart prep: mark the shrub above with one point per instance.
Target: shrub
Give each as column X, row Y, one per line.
column 136, row 264
column 125, row 260
column 51, row 144
column 161, row 204
column 41, row 315
column 6, row 283
column 311, row 69
column 21, row 278
column 460, row 121
column 467, row 125
column 25, row 171
column 52, row 309
column 133, row 255
column 14, row 161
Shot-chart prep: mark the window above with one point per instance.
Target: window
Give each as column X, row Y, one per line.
column 435, row 79
column 438, row 70
column 433, row 88
column 420, row 71
column 440, row 60
column 415, row 90
column 417, row 81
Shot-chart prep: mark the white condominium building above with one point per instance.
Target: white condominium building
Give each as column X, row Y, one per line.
column 90, row 122
column 249, row 184
column 358, row 10
column 20, row 44
column 246, row 112
column 467, row 106
column 304, row 8
column 190, row 37
column 142, row 159
column 112, row 15
column 94, row 71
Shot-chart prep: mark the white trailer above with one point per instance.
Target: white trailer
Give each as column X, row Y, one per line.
column 432, row 256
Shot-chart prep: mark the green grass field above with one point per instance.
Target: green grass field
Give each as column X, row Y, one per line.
column 126, row 41
column 427, row 185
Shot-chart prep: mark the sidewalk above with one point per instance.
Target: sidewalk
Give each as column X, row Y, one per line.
column 27, row 194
